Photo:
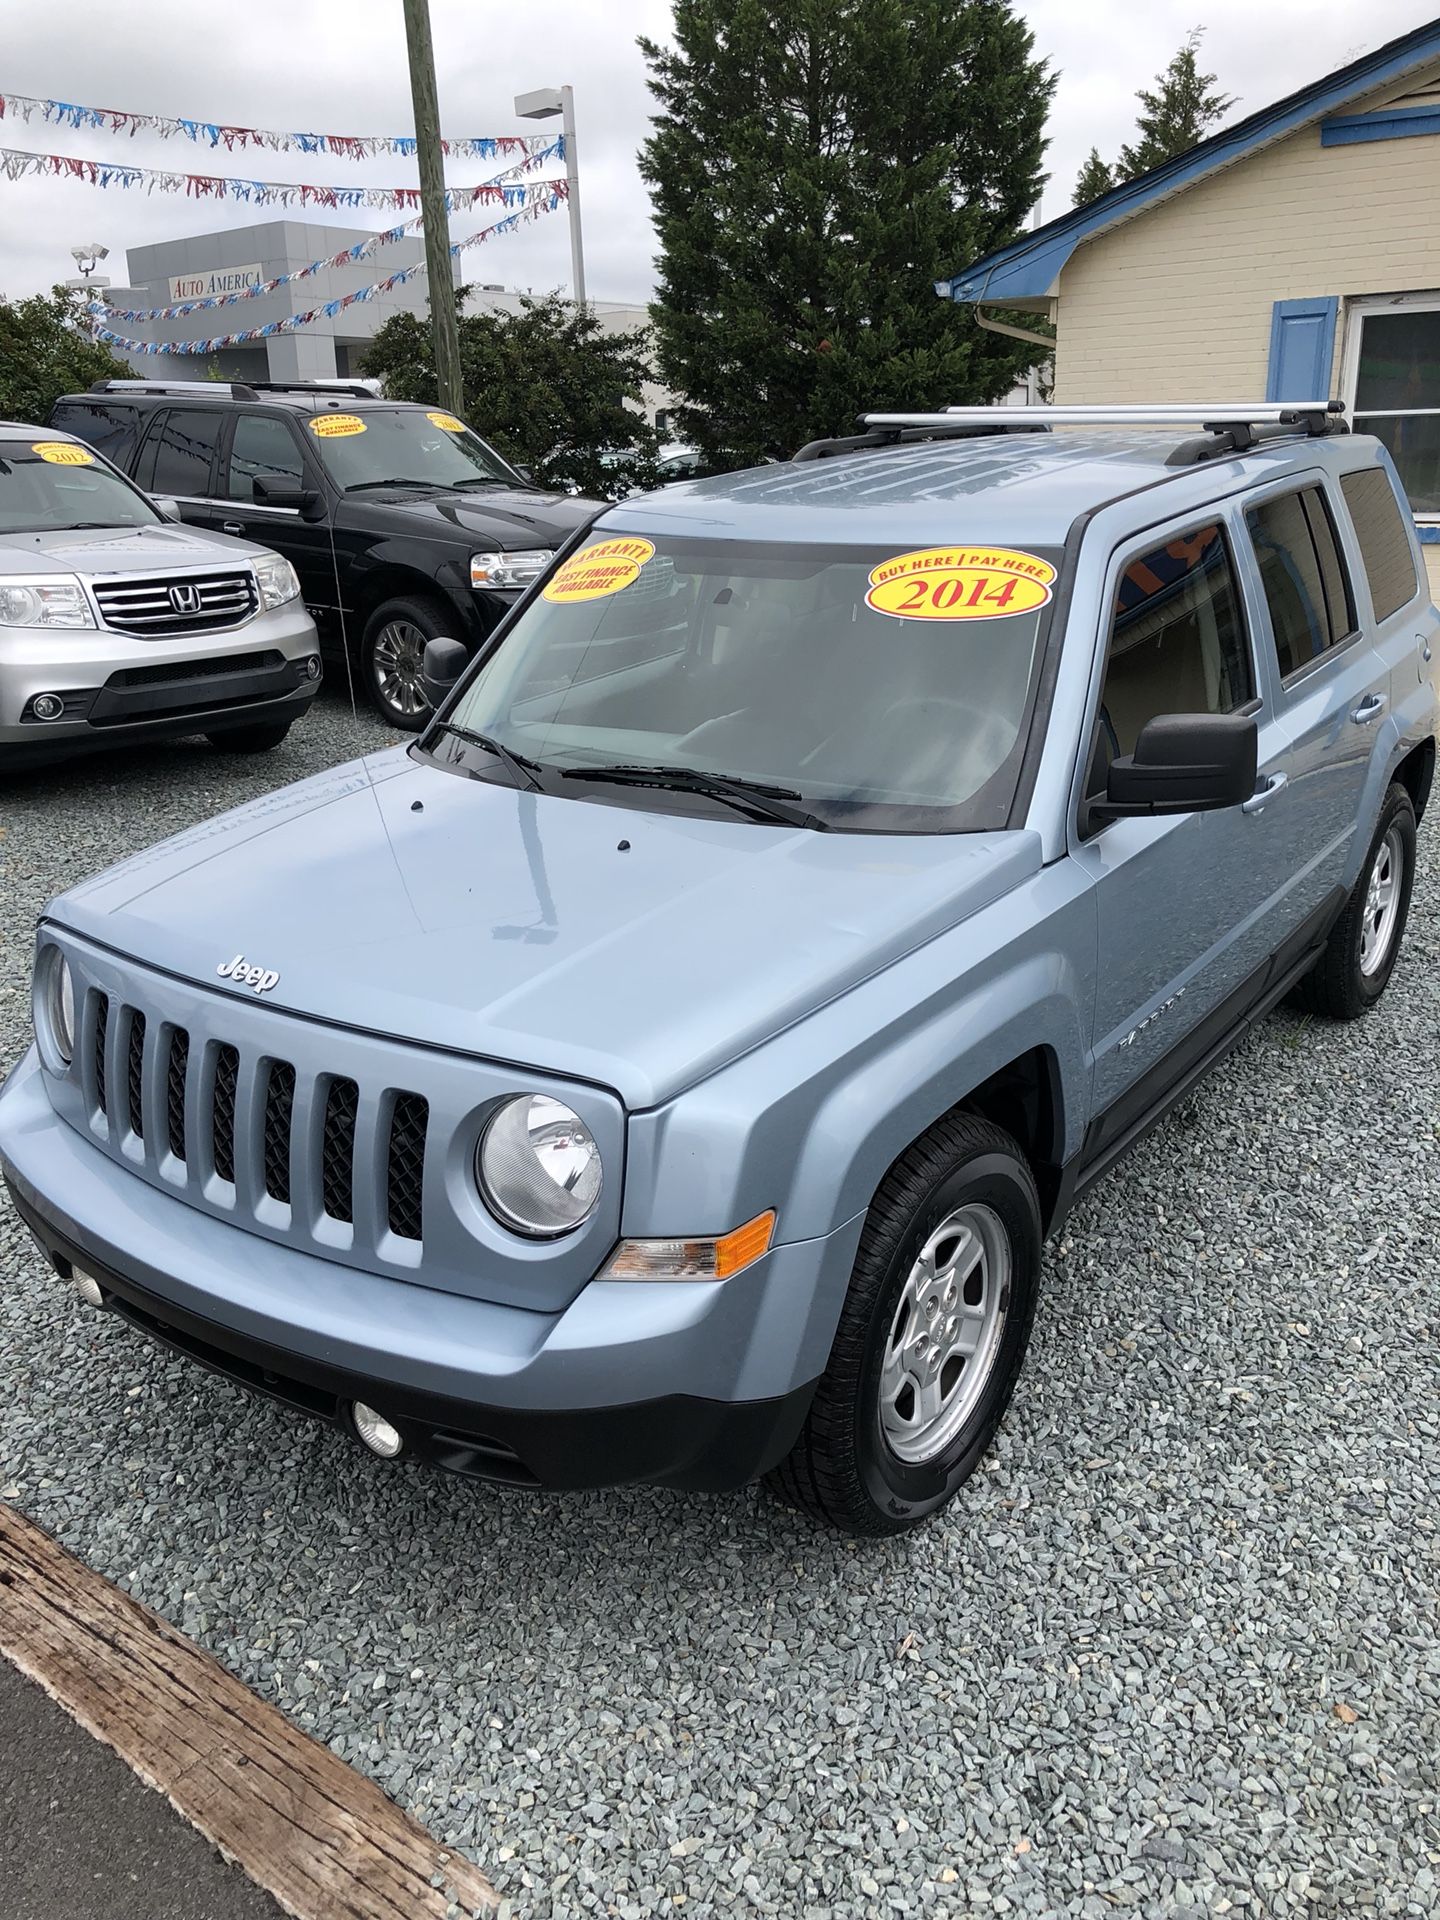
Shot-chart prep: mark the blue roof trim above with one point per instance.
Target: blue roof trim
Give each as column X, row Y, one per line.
column 1427, row 536
column 1393, row 123
column 1029, row 268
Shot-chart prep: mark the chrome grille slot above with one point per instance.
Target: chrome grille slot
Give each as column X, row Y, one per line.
column 279, row 1113
column 222, row 1112
column 405, row 1165
column 177, row 603
column 134, row 1072
column 342, row 1107
column 175, row 1090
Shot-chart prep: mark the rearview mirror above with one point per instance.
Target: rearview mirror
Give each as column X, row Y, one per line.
column 1184, row 763
column 441, row 666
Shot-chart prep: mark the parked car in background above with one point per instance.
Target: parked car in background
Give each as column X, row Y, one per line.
column 401, row 523
column 118, row 625
column 670, row 1065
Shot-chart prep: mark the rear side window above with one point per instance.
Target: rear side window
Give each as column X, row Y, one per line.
column 179, row 454
column 1384, row 539
column 1301, row 569
column 111, row 430
column 1177, row 642
column 262, row 447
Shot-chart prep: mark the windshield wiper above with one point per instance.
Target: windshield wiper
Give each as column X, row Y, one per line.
column 519, row 766
column 478, row 480
column 364, row 486
column 769, row 803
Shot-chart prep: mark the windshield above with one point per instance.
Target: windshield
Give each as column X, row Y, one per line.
column 881, row 689
column 47, row 486
column 378, row 448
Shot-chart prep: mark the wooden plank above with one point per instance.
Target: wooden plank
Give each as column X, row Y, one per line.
column 324, row 1840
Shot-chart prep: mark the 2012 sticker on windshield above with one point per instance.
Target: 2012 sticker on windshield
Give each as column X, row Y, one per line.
column 336, row 426
column 446, row 422
column 603, row 568
column 61, row 453
column 960, row 583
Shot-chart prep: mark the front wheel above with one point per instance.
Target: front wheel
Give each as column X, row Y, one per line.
column 393, row 654
column 1364, row 944
column 931, row 1337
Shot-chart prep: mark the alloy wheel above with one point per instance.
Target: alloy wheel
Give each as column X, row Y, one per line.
column 1382, row 902
column 399, row 656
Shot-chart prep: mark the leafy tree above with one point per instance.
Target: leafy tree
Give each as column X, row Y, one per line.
column 46, row 349
column 547, row 385
column 815, row 168
column 1093, row 179
column 1179, row 111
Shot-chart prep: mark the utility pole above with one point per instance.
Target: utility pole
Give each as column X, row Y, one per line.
column 444, row 329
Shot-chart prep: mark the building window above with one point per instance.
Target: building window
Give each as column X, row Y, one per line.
column 1393, row 386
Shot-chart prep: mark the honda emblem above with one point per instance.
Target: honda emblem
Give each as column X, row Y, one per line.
column 185, row 598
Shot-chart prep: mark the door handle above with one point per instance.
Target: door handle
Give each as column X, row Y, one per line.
column 1426, row 651
column 232, row 526
column 1369, row 707
column 1258, row 800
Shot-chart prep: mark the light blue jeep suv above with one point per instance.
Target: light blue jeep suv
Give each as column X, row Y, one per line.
column 668, row 1067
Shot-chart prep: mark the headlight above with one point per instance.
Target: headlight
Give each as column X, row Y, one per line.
column 55, row 1005
column 538, row 1166
column 56, row 602
column 276, row 580
column 509, row 569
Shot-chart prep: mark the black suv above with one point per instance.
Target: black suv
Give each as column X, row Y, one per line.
column 401, row 523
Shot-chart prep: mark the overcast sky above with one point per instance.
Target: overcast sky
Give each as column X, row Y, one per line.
column 339, row 66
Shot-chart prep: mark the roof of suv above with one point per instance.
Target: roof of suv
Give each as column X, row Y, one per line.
column 299, row 396
column 1014, row 486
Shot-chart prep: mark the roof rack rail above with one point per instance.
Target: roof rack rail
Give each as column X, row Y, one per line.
column 212, row 389
column 355, row 388
column 878, row 437
column 1228, row 426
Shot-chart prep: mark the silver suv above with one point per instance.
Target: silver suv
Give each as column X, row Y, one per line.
column 117, row 624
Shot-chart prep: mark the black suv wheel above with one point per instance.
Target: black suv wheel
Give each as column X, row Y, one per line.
column 1360, row 955
column 392, row 654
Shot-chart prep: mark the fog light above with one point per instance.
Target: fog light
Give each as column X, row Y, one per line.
column 87, row 1286
column 376, row 1431
column 47, row 706
column 312, row 667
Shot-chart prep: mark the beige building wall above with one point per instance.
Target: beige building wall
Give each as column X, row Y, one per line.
column 1175, row 304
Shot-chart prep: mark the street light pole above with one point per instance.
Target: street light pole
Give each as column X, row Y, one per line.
column 443, row 326
column 544, row 104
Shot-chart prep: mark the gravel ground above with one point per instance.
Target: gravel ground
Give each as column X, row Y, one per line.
column 1175, row 1650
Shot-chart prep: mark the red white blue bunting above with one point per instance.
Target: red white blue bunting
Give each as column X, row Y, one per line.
column 215, row 133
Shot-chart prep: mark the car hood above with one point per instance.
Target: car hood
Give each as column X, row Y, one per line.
column 391, row 896
column 106, row 550
column 508, row 520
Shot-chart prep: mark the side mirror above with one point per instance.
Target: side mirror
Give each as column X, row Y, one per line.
column 167, row 508
column 1184, row 763
column 527, row 474
column 279, row 490
column 441, row 666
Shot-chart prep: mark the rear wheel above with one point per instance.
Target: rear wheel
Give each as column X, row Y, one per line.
column 1360, row 955
column 393, row 653
column 931, row 1337
column 255, row 739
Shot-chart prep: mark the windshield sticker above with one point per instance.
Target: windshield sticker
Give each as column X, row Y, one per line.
column 447, row 421
column 598, row 570
column 960, row 583
column 60, row 453
column 336, row 426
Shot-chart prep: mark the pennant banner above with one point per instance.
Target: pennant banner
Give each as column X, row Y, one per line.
column 16, row 164
column 554, row 195
column 214, row 133
column 347, row 256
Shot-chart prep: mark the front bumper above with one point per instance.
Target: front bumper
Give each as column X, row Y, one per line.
column 700, row 1386
column 117, row 688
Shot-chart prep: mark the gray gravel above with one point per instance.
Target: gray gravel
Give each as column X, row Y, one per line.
column 1175, row 1650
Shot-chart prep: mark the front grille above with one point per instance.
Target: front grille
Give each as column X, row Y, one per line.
column 175, row 1090
column 149, row 606
column 102, row 1028
column 279, row 1108
column 342, row 1105
column 134, row 1070
column 222, row 1112
column 405, row 1190
column 185, row 671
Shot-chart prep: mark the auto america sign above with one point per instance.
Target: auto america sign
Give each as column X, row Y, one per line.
column 204, row 286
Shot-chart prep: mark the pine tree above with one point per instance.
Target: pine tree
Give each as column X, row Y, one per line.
column 816, row 166
column 1178, row 113
column 1094, row 178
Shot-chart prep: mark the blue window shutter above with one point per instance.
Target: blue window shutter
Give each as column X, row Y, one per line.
column 1302, row 346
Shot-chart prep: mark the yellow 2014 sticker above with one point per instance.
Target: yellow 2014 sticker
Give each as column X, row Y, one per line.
column 447, row 421
column 60, row 453
column 599, row 570
column 336, row 426
column 960, row 583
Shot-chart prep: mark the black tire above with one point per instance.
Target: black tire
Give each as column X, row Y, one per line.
column 403, row 706
column 1341, row 985
column 253, row 739
column 843, row 1468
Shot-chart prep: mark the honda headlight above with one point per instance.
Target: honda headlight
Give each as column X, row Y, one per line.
column 55, row 1007
column 538, row 1167
column 509, row 570
column 51, row 602
column 277, row 581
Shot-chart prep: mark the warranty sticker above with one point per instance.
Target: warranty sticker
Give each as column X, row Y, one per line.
column 447, row 421
column 960, row 583
column 599, row 570
column 336, row 426
column 60, row 453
